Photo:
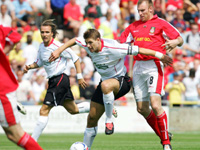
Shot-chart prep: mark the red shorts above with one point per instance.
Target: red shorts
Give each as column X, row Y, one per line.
column 9, row 114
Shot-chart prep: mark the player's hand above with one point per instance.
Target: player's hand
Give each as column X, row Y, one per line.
column 170, row 44
column 167, row 61
column 82, row 83
column 26, row 68
column 54, row 55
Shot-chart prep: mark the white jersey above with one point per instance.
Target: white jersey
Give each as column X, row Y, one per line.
column 58, row 66
column 109, row 62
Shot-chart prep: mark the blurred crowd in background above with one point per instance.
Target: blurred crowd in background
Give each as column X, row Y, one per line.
column 110, row 17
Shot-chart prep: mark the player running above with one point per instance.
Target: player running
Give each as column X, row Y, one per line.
column 58, row 92
column 9, row 116
column 148, row 72
column 108, row 58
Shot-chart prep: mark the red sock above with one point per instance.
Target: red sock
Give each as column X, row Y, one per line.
column 162, row 124
column 152, row 121
column 28, row 143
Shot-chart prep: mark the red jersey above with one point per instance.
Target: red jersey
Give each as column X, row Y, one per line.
column 150, row 34
column 8, row 82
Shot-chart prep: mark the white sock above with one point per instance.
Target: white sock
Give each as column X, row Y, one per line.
column 83, row 107
column 40, row 125
column 108, row 100
column 89, row 136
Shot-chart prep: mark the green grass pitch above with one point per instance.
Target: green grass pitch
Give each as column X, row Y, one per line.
column 117, row 141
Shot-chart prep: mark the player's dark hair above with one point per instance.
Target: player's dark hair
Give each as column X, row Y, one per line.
column 150, row 2
column 192, row 73
column 53, row 26
column 92, row 33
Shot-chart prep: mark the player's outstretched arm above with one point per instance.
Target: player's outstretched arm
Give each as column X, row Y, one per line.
column 81, row 81
column 164, row 58
column 32, row 66
column 56, row 53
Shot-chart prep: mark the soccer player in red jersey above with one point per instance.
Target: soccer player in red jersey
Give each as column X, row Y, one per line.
column 9, row 117
column 148, row 77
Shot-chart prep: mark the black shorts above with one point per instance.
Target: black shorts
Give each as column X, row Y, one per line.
column 125, row 86
column 58, row 90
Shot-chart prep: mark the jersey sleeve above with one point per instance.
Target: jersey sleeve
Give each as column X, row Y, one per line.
column 69, row 54
column 38, row 61
column 126, row 36
column 170, row 30
column 124, row 49
column 80, row 41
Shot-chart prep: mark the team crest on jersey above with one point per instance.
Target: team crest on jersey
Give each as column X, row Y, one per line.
column 152, row 30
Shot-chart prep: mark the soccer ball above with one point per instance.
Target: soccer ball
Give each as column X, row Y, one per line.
column 79, row 146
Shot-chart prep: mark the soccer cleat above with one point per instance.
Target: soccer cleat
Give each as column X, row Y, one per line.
column 114, row 112
column 170, row 136
column 21, row 108
column 167, row 147
column 109, row 128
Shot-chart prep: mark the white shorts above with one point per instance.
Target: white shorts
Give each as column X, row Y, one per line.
column 9, row 114
column 148, row 77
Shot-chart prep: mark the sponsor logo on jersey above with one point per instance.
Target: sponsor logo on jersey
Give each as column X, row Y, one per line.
column 146, row 39
column 152, row 30
column 101, row 66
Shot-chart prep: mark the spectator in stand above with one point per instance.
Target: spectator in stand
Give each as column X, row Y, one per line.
column 82, row 4
column 88, row 23
column 29, row 40
column 113, row 6
column 23, row 11
column 93, row 7
column 89, row 67
column 57, row 7
column 5, row 18
column 73, row 16
column 24, row 92
column 105, row 27
column 170, row 15
column 41, row 8
column 87, row 93
column 159, row 6
column 176, row 3
column 10, row 6
column 30, row 54
column 192, row 86
column 38, row 86
column 36, row 33
column 190, row 11
column 179, row 18
column 175, row 89
column 192, row 45
column 74, row 87
column 17, row 55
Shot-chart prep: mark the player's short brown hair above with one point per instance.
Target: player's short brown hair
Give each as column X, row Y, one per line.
column 92, row 33
column 53, row 26
column 150, row 2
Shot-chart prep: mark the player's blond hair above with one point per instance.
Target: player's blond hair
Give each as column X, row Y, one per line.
column 53, row 26
column 92, row 33
column 150, row 2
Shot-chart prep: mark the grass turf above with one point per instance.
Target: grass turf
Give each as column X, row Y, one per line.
column 117, row 141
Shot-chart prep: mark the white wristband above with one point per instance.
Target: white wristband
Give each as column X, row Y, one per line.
column 79, row 76
column 159, row 55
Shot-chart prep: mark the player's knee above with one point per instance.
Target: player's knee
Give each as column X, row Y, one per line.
column 92, row 120
column 142, row 110
column 73, row 112
column 105, row 87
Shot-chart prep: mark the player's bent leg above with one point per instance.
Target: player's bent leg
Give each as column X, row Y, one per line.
column 96, row 111
column 42, row 121
column 16, row 134
column 73, row 108
column 109, row 87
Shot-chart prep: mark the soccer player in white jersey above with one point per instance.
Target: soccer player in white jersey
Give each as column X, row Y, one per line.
column 58, row 92
column 108, row 58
